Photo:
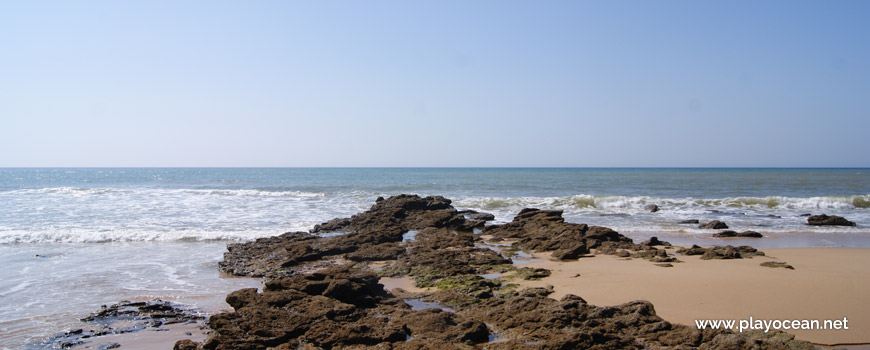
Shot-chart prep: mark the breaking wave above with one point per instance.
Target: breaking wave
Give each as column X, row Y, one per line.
column 585, row 201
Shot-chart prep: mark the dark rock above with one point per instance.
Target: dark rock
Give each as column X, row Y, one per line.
column 825, row 220
column 690, row 221
column 185, row 344
column 720, row 252
column 733, row 234
column 652, row 208
column 654, row 241
column 120, row 318
column 805, row 214
column 715, row 224
column 373, row 235
column 546, row 230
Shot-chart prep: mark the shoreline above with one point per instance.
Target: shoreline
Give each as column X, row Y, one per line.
column 827, row 283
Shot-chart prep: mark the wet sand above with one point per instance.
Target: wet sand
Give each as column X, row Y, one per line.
column 827, row 283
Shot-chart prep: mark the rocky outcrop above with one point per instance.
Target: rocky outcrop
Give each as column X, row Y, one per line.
column 343, row 307
column 373, row 235
column 546, row 231
column 715, row 224
column 338, row 307
column 734, row 234
column 825, row 220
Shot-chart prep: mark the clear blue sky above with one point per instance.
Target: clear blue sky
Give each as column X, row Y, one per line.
column 438, row 83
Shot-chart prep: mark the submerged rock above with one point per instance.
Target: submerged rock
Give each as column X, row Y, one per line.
column 690, row 221
column 825, row 220
column 652, row 208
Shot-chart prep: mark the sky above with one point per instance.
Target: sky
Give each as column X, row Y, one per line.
column 435, row 83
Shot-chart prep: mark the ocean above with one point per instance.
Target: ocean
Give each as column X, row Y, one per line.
column 74, row 239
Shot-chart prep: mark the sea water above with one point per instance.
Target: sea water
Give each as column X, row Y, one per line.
column 74, row 239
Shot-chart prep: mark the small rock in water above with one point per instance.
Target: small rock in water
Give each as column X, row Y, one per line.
column 652, row 208
column 690, row 221
column 824, row 220
column 734, row 234
column 715, row 224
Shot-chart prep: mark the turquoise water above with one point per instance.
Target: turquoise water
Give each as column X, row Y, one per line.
column 74, row 239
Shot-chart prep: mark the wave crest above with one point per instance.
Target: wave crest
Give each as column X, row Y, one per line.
column 586, row 201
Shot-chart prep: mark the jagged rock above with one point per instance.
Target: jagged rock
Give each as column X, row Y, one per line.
column 546, row 230
column 715, row 224
column 825, row 220
column 734, row 234
column 369, row 236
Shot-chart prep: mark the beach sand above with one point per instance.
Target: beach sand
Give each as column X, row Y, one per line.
column 827, row 283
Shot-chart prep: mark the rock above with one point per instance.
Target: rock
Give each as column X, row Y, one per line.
column 123, row 317
column 546, row 230
column 373, row 235
column 720, row 252
column 805, row 214
column 715, row 224
column 690, row 221
column 652, row 208
column 474, row 215
column 532, row 274
column 775, row 264
column 185, row 344
column 654, row 241
column 733, row 234
column 825, row 220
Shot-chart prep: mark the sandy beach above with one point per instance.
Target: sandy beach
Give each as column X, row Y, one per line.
column 827, row 283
